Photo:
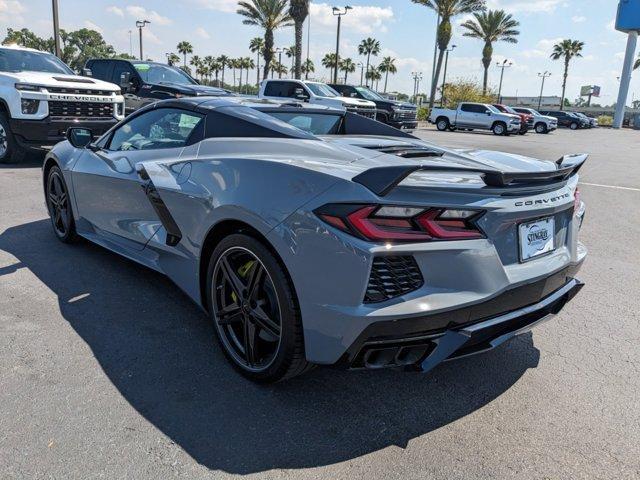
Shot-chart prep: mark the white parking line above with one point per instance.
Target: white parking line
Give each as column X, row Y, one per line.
column 611, row 186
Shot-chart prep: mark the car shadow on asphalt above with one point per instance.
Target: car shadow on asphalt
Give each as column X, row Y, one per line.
column 159, row 351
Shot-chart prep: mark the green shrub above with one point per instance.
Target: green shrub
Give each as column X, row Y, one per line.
column 466, row 91
column 423, row 114
column 605, row 120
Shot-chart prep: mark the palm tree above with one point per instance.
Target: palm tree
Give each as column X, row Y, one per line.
column 249, row 64
column 197, row 63
column 172, row 59
column 329, row 61
column 223, row 60
column 491, row 26
column 233, row 64
column 374, row 75
column 290, row 52
column 184, row 48
column 209, row 61
column 269, row 15
column 369, row 46
column 388, row 67
column 566, row 49
column 298, row 11
column 256, row 45
column 637, row 64
column 214, row 68
column 307, row 68
column 279, row 69
column 347, row 66
column 447, row 9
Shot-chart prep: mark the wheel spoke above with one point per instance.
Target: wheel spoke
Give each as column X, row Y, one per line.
column 232, row 277
column 250, row 336
column 53, row 198
column 229, row 315
column 264, row 321
column 62, row 199
column 255, row 277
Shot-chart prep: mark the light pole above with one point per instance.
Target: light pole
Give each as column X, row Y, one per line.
column 502, row 66
column 544, row 76
column 417, row 76
column 167, row 55
column 130, row 43
column 444, row 76
column 338, row 12
column 361, row 67
column 279, row 52
column 56, row 29
column 140, row 24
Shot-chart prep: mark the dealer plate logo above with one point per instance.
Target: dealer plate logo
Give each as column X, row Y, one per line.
column 536, row 238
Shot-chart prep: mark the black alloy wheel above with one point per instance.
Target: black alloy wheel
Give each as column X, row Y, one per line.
column 256, row 317
column 58, row 205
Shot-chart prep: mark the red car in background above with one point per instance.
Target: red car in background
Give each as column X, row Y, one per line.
column 526, row 120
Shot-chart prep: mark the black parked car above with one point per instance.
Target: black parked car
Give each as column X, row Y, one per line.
column 392, row 112
column 567, row 119
column 147, row 82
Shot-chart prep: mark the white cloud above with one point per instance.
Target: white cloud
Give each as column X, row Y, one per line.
column 11, row 11
column 578, row 18
column 362, row 19
column 93, row 26
column 542, row 49
column 202, row 33
column 539, row 6
column 228, row 6
column 115, row 10
column 141, row 13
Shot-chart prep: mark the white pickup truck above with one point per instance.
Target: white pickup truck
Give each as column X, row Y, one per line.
column 40, row 97
column 315, row 93
column 475, row 116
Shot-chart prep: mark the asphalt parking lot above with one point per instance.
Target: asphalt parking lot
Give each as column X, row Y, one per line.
column 108, row 371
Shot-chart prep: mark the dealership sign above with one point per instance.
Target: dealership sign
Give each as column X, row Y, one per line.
column 590, row 90
column 628, row 18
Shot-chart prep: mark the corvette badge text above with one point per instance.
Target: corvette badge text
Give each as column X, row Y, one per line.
column 544, row 201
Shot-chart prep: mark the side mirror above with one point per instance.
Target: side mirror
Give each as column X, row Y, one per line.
column 79, row 137
column 488, row 112
column 300, row 94
column 125, row 82
column 87, row 72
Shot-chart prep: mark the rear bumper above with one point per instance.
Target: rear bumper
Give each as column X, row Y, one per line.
column 423, row 342
column 38, row 134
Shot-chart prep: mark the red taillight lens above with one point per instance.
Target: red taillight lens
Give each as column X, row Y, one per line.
column 402, row 224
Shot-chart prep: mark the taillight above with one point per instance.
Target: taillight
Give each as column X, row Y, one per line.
column 402, row 224
column 576, row 200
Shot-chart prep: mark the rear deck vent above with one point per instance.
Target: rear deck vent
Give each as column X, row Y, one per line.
column 391, row 277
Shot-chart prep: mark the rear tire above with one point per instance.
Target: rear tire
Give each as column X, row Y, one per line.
column 573, row 126
column 442, row 124
column 259, row 328
column 10, row 151
column 499, row 128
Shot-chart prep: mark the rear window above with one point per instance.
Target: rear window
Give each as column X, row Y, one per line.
column 99, row 69
column 314, row 123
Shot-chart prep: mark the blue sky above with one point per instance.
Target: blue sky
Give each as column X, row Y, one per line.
column 405, row 30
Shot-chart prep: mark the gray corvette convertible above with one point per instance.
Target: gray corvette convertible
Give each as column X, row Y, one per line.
column 316, row 236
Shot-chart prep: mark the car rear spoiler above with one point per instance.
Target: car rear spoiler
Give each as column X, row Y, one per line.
column 381, row 180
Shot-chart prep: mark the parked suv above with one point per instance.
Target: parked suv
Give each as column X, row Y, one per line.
column 472, row 116
column 315, row 93
column 526, row 119
column 541, row 123
column 40, row 97
column 147, row 82
column 398, row 114
column 567, row 119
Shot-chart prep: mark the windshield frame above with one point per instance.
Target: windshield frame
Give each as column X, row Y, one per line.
column 62, row 68
column 144, row 73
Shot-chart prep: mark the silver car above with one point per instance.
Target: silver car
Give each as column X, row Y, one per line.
column 314, row 236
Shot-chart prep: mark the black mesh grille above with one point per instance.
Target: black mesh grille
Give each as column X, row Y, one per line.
column 392, row 277
column 80, row 109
